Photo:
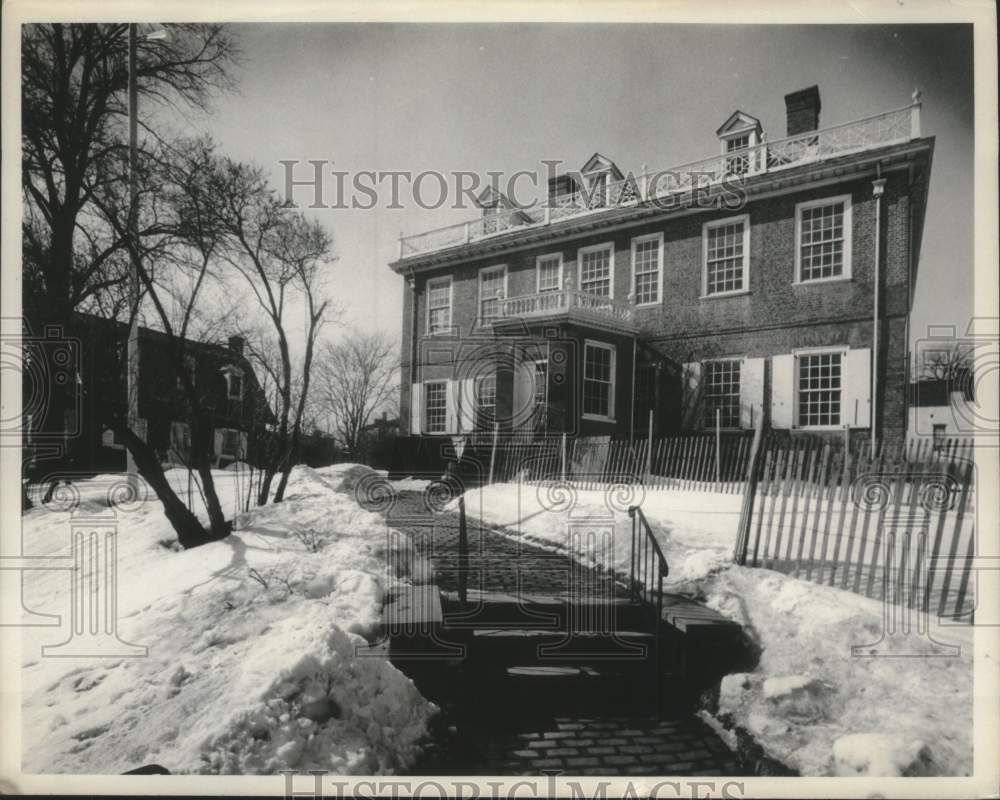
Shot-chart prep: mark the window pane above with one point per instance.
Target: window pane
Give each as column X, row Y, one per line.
column 490, row 287
column 725, row 258
column 647, row 271
column 598, row 380
column 439, row 306
column 722, row 393
column 548, row 274
column 819, row 389
column 595, row 272
column 822, row 242
column 435, row 401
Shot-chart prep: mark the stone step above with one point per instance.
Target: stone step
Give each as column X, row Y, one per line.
column 543, row 612
column 614, row 650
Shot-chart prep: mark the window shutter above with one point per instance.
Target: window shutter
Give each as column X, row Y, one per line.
column 416, row 390
column 466, row 404
column 218, row 442
column 783, row 391
column 451, row 390
column 751, row 391
column 856, row 406
column 691, row 387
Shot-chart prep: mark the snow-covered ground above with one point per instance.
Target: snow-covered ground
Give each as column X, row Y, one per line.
column 897, row 707
column 256, row 657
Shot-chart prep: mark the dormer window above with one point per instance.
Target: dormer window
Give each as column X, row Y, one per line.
column 739, row 135
column 598, row 174
column 234, row 382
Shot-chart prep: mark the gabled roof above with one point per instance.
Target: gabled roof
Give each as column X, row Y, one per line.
column 491, row 197
column 738, row 121
column 599, row 163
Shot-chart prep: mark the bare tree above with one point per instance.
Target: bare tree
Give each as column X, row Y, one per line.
column 74, row 142
column 357, row 376
column 280, row 254
column 951, row 363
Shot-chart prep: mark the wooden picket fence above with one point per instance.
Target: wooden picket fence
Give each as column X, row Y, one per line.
column 896, row 524
column 700, row 462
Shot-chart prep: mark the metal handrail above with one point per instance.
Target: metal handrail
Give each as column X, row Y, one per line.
column 649, row 566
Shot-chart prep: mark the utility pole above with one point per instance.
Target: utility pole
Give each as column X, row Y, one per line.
column 132, row 377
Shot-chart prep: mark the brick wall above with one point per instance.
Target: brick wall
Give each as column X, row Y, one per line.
column 774, row 316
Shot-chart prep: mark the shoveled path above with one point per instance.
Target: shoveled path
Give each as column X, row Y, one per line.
column 527, row 721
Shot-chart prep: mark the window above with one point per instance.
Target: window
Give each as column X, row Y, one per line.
column 190, row 366
column 596, row 269
column 721, row 382
column 549, row 271
column 726, row 245
column 436, row 405
column 492, row 286
column 598, row 380
column 823, row 236
column 230, row 442
column 739, row 162
column 939, row 434
column 820, row 385
column 439, row 305
column 234, row 379
column 647, row 255
column 486, row 402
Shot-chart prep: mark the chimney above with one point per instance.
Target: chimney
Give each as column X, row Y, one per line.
column 802, row 111
column 236, row 344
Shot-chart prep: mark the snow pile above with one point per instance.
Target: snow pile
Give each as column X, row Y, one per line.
column 257, row 658
column 830, row 695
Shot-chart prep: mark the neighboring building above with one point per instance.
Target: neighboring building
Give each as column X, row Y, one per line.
column 623, row 295
column 942, row 408
column 224, row 378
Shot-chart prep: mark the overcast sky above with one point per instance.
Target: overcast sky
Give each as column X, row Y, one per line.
column 505, row 96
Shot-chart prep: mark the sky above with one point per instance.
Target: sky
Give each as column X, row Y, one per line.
column 503, row 97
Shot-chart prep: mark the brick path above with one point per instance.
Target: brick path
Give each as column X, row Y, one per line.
column 497, row 563
column 526, row 720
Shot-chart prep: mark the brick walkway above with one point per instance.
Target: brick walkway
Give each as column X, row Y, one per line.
column 528, row 720
column 610, row 746
column 497, row 563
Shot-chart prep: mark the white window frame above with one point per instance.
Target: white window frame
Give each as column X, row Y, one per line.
column 846, row 274
column 538, row 272
column 480, row 319
column 596, row 248
column 426, row 428
column 651, row 237
column 477, row 408
column 239, row 442
column 817, row 351
column 718, row 223
column 587, row 343
column 451, row 296
column 229, row 373
column 706, row 423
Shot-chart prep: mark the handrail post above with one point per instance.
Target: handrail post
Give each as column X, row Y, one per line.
column 463, row 553
column 915, row 115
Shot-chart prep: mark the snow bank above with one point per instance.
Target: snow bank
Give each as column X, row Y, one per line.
column 257, row 658
column 830, row 695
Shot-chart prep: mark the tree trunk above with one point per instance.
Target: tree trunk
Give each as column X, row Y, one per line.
column 190, row 532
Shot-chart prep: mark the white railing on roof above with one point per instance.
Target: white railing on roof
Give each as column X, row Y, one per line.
column 565, row 301
column 881, row 130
